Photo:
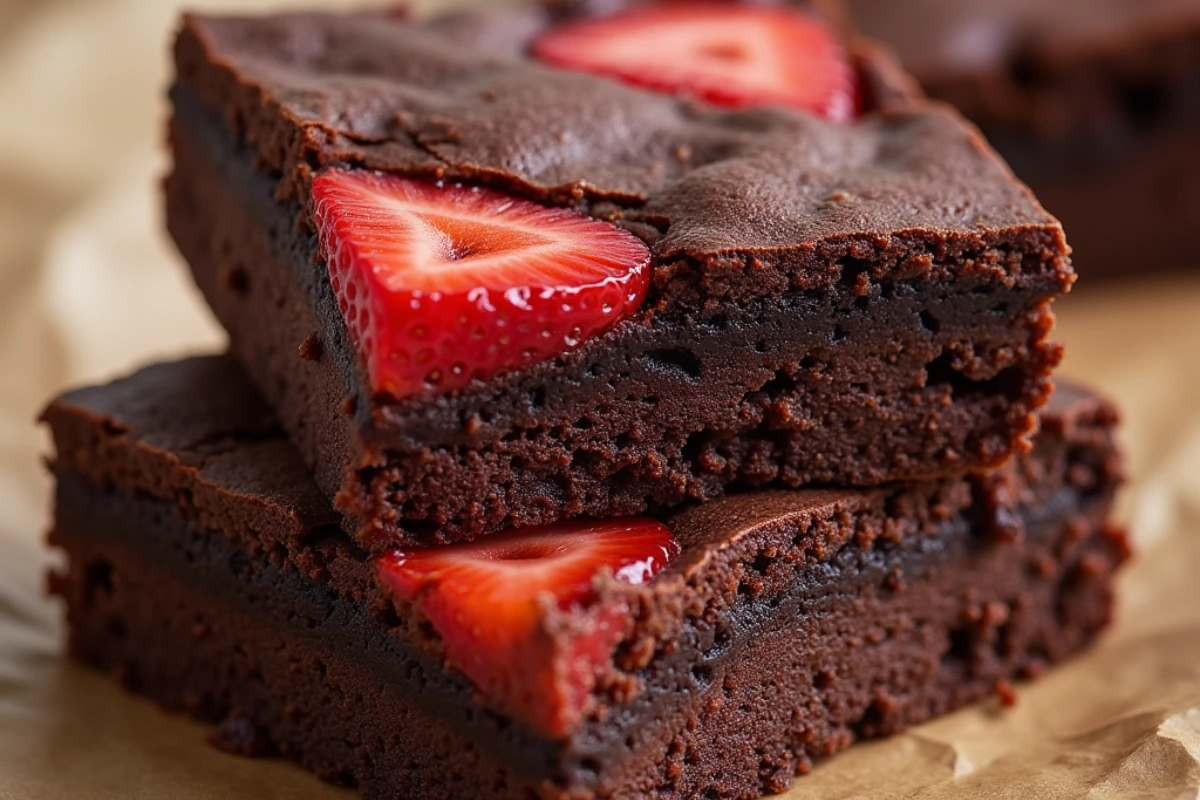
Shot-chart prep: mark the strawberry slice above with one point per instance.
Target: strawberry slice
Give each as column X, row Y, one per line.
column 518, row 612
column 441, row 284
column 734, row 55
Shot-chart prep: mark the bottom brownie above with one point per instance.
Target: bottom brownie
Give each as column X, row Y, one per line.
column 215, row 584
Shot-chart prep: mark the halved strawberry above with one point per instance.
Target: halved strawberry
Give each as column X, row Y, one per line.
column 440, row 283
column 518, row 614
column 729, row 54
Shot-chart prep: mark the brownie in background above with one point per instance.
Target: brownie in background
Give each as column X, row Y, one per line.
column 1095, row 104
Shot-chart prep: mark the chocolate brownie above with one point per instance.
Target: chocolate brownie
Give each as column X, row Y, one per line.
column 826, row 302
column 1095, row 104
column 206, row 570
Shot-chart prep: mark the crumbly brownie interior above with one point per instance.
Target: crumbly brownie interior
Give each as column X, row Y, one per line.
column 863, row 380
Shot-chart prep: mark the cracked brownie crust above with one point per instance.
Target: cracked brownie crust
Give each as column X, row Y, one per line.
column 830, row 304
column 792, row 624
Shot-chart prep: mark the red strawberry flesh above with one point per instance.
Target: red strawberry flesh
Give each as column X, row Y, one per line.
column 729, row 54
column 518, row 612
column 441, row 284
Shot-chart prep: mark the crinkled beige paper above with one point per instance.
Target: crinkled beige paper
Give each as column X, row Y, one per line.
column 89, row 287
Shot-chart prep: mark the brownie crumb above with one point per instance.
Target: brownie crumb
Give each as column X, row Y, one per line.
column 311, row 348
column 1007, row 693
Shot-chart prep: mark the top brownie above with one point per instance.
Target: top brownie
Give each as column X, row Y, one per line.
column 849, row 296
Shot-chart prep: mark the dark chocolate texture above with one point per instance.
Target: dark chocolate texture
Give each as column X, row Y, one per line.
column 1095, row 104
column 831, row 304
column 792, row 624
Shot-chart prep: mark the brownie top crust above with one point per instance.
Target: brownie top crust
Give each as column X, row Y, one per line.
column 196, row 428
column 905, row 186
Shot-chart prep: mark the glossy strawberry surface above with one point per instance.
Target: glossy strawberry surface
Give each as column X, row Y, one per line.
column 441, row 284
column 491, row 602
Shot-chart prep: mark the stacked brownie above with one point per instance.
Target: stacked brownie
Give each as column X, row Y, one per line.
column 634, row 402
column 1096, row 103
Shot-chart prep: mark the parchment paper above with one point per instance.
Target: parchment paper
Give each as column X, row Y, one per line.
column 89, row 287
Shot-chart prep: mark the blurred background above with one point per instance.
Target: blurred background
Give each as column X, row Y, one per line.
column 90, row 286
